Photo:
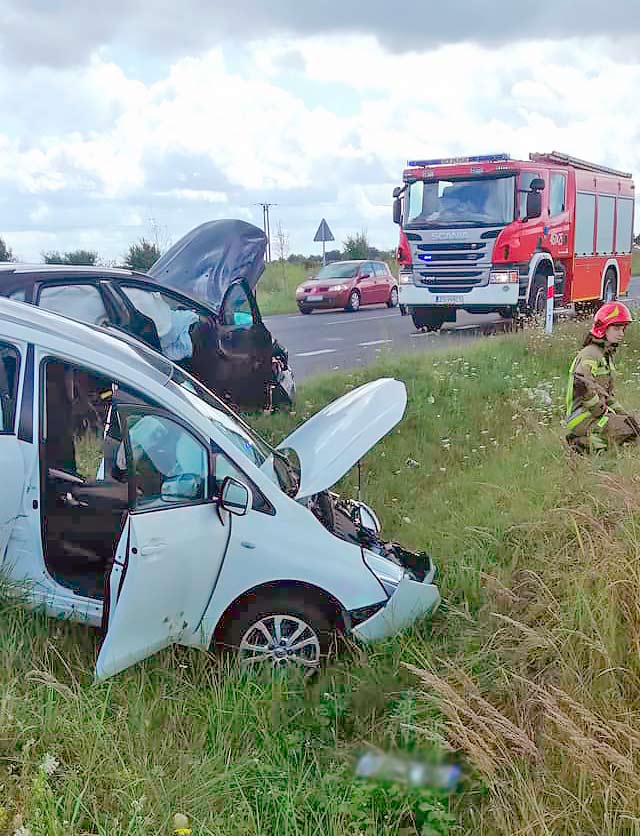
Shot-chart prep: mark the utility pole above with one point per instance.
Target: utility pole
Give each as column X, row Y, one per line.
column 266, row 225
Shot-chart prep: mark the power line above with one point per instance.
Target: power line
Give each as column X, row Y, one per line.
column 266, row 225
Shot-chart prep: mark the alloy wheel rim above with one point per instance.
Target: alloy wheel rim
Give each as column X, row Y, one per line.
column 280, row 641
column 394, row 297
column 355, row 301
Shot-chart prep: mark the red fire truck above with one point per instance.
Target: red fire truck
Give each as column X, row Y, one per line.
column 482, row 234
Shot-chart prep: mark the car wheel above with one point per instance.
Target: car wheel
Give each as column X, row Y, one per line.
column 354, row 301
column 280, row 632
column 392, row 302
column 304, row 309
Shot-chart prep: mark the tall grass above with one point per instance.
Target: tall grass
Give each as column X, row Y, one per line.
column 529, row 674
column 276, row 290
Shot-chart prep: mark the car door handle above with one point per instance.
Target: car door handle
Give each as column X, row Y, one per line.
column 153, row 547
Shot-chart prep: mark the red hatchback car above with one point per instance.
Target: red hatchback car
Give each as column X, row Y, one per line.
column 348, row 285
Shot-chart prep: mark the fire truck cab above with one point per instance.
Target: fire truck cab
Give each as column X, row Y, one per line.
column 482, row 234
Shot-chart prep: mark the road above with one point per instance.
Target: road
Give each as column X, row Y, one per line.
column 331, row 340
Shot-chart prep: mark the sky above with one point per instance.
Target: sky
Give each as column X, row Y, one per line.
column 138, row 119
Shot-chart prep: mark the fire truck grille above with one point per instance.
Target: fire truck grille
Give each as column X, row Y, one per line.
column 453, row 281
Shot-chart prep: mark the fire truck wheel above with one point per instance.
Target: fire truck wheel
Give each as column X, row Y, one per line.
column 427, row 320
column 609, row 291
column 538, row 298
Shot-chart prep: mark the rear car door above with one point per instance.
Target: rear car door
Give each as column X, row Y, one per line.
column 245, row 346
column 382, row 281
column 13, row 475
column 366, row 283
column 170, row 553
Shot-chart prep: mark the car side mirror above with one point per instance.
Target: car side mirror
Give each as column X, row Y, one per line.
column 397, row 211
column 235, row 497
column 364, row 276
column 185, row 486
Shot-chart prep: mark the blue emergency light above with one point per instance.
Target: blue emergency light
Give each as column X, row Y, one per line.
column 482, row 158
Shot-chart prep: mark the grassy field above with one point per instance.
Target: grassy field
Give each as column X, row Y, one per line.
column 277, row 287
column 528, row 675
column 635, row 266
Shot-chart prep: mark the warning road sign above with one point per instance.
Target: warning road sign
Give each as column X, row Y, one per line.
column 324, row 233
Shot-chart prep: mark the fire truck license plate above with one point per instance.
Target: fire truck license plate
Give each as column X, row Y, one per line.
column 449, row 300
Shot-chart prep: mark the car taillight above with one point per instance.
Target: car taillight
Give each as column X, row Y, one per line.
column 403, row 253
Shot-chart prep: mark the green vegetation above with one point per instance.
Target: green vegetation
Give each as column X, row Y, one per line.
column 635, row 264
column 529, row 674
column 277, row 287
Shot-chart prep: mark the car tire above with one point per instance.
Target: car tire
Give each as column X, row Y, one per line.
column 427, row 320
column 392, row 301
column 353, row 304
column 304, row 309
column 284, row 616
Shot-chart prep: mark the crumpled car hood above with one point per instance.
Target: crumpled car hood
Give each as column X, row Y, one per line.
column 331, row 442
column 205, row 261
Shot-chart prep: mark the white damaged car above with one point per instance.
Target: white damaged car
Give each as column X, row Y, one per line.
column 134, row 499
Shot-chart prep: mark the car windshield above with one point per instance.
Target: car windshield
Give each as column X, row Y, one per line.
column 229, row 424
column 339, row 270
column 241, row 435
column 473, row 202
column 255, row 448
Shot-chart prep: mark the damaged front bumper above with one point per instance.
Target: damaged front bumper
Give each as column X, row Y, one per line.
column 411, row 600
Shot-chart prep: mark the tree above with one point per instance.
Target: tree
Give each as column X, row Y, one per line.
column 142, row 255
column 6, row 253
column 81, row 257
column 282, row 250
column 356, row 246
column 636, row 240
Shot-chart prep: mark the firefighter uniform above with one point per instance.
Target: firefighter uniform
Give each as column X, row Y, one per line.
column 594, row 418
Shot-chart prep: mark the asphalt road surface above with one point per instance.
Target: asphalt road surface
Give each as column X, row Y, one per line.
column 330, row 340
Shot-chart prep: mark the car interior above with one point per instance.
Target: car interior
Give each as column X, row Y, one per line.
column 82, row 514
column 8, row 386
column 104, row 449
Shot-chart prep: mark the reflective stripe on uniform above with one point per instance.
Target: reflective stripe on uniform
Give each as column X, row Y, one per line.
column 569, row 402
column 577, row 417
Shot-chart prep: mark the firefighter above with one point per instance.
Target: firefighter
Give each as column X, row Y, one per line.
column 595, row 419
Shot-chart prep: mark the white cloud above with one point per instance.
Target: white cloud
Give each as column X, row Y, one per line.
column 210, row 139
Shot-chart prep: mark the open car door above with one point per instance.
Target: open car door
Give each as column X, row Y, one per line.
column 11, row 487
column 171, row 549
column 246, row 346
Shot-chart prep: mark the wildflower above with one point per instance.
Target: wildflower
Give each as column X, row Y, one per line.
column 49, row 764
column 181, row 825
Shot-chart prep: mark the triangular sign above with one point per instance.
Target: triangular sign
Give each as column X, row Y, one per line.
column 324, row 233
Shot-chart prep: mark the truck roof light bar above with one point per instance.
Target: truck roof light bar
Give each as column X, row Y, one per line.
column 565, row 159
column 483, row 158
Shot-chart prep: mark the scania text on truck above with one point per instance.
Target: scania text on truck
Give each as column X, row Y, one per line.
column 483, row 233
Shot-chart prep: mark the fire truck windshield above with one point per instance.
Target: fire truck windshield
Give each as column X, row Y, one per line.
column 486, row 201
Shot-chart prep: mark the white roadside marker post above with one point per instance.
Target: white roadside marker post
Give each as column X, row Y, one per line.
column 548, row 324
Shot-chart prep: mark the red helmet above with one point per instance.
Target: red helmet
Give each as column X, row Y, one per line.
column 611, row 313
